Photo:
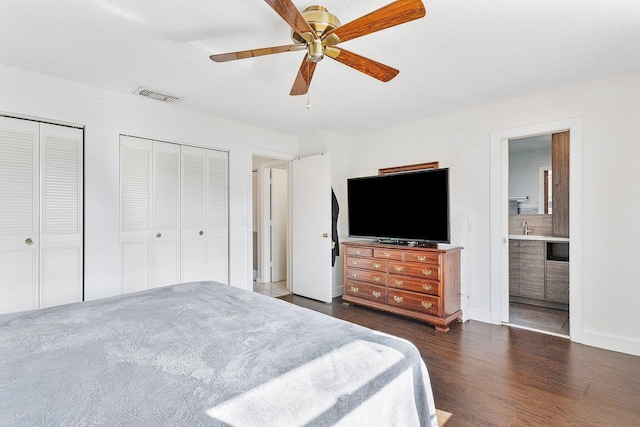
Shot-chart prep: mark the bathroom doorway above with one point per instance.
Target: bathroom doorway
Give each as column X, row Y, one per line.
column 499, row 154
column 538, row 241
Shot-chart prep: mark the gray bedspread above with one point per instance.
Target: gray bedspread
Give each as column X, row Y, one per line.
column 204, row 354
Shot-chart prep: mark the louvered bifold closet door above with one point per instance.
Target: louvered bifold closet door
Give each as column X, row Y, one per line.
column 135, row 213
column 174, row 214
column 19, row 238
column 61, row 215
column 193, row 214
column 166, row 214
column 204, row 215
column 217, row 216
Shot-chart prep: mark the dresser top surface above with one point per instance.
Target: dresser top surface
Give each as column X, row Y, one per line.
column 440, row 247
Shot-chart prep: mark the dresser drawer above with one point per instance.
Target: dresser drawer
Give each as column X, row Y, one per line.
column 422, row 256
column 366, row 291
column 412, row 269
column 366, row 263
column 414, row 301
column 375, row 277
column 414, row 284
column 358, row 251
column 388, row 254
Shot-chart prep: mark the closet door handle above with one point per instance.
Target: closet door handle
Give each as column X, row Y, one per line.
column 159, row 235
column 201, row 232
column 29, row 241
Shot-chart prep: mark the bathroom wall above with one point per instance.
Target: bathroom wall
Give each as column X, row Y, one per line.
column 540, row 225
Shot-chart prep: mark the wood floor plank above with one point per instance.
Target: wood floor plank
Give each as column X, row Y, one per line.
column 493, row 375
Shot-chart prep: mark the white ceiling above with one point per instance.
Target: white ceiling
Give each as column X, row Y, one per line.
column 464, row 53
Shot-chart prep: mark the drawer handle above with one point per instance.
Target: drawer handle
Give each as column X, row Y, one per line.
column 354, row 275
column 426, row 304
column 354, row 289
column 376, row 294
column 376, row 265
column 398, row 282
column 358, row 252
column 426, row 272
column 387, row 254
column 399, row 268
column 398, row 299
column 427, row 287
column 354, row 262
column 422, row 258
column 377, row 278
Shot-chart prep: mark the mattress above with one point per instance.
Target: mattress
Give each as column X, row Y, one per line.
column 205, row 354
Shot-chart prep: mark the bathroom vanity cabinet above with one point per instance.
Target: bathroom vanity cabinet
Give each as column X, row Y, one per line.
column 539, row 272
column 526, row 269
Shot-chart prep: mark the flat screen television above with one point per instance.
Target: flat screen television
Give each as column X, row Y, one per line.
column 403, row 208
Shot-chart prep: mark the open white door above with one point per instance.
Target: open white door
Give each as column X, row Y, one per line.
column 279, row 214
column 311, row 227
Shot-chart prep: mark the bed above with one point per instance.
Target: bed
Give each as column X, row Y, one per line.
column 205, row 354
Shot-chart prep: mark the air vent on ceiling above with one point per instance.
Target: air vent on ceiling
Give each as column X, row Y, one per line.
column 156, row 95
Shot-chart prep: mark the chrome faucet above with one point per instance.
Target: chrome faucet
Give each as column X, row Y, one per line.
column 525, row 229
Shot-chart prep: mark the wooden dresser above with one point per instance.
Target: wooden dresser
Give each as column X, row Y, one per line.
column 418, row 282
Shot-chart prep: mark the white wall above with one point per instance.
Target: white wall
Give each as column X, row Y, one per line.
column 105, row 115
column 611, row 200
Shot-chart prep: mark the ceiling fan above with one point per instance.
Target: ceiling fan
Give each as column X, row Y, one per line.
column 318, row 32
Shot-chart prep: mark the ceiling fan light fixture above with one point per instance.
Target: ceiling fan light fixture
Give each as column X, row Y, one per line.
column 315, row 51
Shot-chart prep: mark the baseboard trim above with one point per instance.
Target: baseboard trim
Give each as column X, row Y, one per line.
column 611, row 342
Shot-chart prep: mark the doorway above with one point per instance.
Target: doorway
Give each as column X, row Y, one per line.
column 538, row 266
column 269, row 228
column 499, row 155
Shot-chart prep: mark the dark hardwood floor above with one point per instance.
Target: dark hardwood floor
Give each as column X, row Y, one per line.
column 492, row 375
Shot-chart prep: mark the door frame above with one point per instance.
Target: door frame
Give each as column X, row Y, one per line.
column 499, row 178
column 281, row 158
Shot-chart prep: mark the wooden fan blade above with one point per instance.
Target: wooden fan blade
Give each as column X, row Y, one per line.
column 232, row 56
column 368, row 66
column 393, row 14
column 294, row 18
column 303, row 79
